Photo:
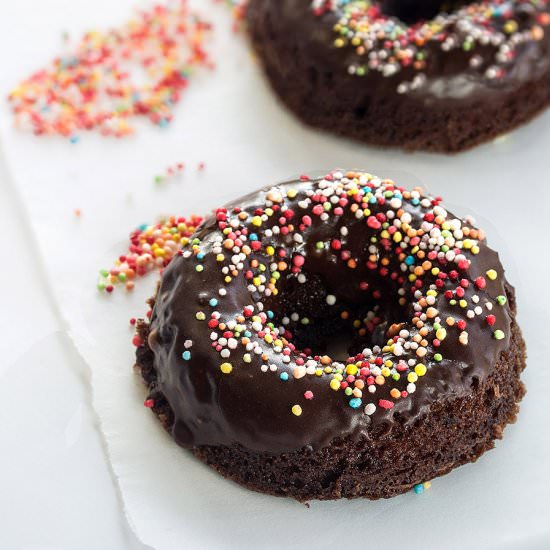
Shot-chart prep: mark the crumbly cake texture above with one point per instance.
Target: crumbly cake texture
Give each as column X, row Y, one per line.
column 442, row 84
column 234, row 358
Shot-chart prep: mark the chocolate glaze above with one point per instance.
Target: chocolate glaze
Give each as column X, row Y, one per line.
column 448, row 79
column 253, row 408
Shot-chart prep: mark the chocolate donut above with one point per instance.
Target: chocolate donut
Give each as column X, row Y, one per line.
column 241, row 357
column 378, row 72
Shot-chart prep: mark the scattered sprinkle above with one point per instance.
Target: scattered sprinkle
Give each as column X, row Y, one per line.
column 108, row 78
column 419, row 489
column 151, row 248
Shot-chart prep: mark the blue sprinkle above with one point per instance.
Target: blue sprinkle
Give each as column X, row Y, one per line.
column 213, row 302
column 74, row 139
column 247, row 333
column 200, row 256
column 253, row 237
column 409, row 260
column 418, row 489
column 163, row 122
column 284, row 376
column 186, row 355
column 355, row 403
column 415, row 201
column 270, row 314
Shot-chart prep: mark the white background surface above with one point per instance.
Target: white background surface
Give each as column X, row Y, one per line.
column 57, row 487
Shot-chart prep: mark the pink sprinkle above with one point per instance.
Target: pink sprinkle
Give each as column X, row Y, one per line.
column 385, row 404
column 373, row 223
column 308, row 394
column 318, row 209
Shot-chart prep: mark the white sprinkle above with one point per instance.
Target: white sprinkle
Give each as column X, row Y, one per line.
column 370, row 408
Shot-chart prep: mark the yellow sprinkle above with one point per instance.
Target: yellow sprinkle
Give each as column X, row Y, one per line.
column 297, row 410
column 334, row 384
column 226, row 368
column 351, row 369
column 420, row 369
column 412, row 377
column 492, row 274
column 510, row 27
column 257, row 221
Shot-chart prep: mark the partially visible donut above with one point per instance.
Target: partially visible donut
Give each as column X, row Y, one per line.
column 235, row 353
column 445, row 83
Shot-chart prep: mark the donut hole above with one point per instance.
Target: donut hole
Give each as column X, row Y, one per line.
column 412, row 11
column 323, row 319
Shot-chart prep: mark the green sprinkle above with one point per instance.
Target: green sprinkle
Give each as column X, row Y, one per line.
column 498, row 334
column 501, row 300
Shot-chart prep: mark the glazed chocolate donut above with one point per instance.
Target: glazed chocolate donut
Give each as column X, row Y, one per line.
column 240, row 354
column 364, row 70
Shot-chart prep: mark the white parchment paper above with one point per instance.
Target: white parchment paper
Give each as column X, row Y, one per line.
column 230, row 120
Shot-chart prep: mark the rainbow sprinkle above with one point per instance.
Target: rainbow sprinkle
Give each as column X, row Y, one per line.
column 387, row 45
column 151, row 248
column 138, row 70
column 238, row 9
column 420, row 487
